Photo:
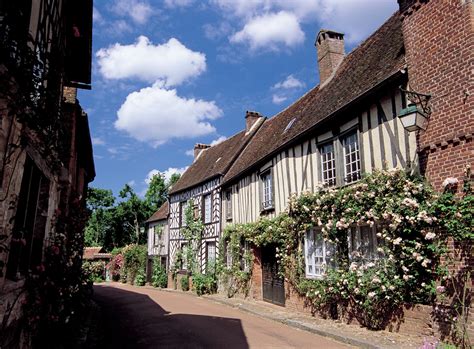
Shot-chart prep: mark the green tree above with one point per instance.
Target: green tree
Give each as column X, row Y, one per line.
column 100, row 203
column 157, row 191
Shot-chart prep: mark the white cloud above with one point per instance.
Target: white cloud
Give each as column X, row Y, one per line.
column 347, row 16
column 271, row 31
column 97, row 141
column 278, row 99
column 189, row 152
column 139, row 11
column 131, row 183
column 171, row 62
column 214, row 32
column 350, row 17
column 289, row 83
column 156, row 114
column 178, row 3
column 166, row 173
column 97, row 16
column 218, row 140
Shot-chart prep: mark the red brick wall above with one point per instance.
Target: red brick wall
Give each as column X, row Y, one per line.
column 256, row 291
column 439, row 44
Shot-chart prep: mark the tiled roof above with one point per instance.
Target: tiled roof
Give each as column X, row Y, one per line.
column 160, row 214
column 377, row 59
column 213, row 161
column 90, row 252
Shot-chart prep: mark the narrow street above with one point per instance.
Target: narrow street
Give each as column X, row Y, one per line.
column 136, row 317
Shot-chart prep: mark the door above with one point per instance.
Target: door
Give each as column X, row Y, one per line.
column 273, row 285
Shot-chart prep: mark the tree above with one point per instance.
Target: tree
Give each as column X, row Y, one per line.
column 156, row 192
column 100, row 202
column 173, row 179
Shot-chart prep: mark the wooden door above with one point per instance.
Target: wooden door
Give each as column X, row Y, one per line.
column 273, row 285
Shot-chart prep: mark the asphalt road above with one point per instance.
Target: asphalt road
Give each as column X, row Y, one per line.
column 134, row 317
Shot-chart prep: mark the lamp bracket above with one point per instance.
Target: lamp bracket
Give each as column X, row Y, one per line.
column 418, row 98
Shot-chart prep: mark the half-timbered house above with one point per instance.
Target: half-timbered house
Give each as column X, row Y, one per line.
column 157, row 239
column 344, row 127
column 201, row 185
column 351, row 124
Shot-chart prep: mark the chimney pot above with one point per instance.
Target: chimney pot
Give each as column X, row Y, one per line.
column 251, row 117
column 330, row 49
column 198, row 148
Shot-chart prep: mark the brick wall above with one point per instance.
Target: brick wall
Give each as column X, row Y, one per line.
column 439, row 44
column 256, row 291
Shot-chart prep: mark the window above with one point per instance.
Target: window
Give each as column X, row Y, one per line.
column 319, row 254
column 210, row 254
column 267, row 190
column 244, row 262
column 182, row 211
column 363, row 243
column 328, row 164
column 207, row 202
column 157, row 231
column 26, row 248
column 228, row 251
column 228, row 201
column 350, row 147
column 184, row 257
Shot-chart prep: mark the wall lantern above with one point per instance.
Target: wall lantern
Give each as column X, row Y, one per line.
column 415, row 116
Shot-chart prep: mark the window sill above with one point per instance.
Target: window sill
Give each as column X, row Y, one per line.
column 267, row 210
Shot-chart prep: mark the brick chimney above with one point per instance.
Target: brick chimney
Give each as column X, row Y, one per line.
column 330, row 49
column 198, row 148
column 251, row 117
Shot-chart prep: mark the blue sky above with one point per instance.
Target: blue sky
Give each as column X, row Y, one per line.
column 172, row 73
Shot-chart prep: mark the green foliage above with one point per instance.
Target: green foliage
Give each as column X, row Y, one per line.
column 185, row 283
column 157, row 191
column 140, row 278
column 159, row 278
column 233, row 278
column 192, row 233
column 94, row 271
column 134, row 257
column 205, row 283
column 413, row 223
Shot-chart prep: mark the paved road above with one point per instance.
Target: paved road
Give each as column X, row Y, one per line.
column 134, row 317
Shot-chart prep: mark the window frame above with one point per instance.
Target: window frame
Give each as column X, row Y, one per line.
column 228, row 199
column 182, row 213
column 357, row 240
column 321, row 162
column 157, row 234
column 208, row 244
column 343, row 157
column 264, row 206
column 204, row 208
column 325, row 247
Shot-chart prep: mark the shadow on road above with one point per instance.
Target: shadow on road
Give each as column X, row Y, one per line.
column 134, row 320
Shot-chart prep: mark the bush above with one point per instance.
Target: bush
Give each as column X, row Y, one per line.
column 159, row 277
column 94, row 271
column 134, row 257
column 140, row 279
column 185, row 283
column 115, row 266
column 204, row 283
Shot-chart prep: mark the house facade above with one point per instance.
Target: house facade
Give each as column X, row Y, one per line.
column 157, row 239
column 350, row 125
column 342, row 129
column 45, row 147
column 200, row 186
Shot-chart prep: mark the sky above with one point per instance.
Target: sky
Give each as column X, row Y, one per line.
column 167, row 74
